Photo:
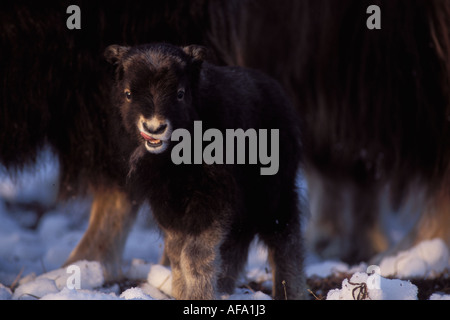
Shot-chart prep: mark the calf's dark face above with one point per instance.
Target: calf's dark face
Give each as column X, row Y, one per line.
column 154, row 93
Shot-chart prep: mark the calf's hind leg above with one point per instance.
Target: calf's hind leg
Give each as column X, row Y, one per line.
column 285, row 250
column 286, row 261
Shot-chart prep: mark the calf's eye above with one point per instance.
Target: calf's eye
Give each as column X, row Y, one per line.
column 127, row 93
column 180, row 94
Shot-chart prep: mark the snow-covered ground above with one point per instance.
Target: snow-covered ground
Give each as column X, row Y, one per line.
column 33, row 247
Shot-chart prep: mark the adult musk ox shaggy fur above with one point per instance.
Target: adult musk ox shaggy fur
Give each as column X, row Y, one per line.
column 210, row 212
column 54, row 90
column 374, row 103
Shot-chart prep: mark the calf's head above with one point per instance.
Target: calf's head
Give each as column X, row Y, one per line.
column 155, row 90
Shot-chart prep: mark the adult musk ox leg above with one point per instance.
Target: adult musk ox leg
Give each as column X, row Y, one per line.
column 112, row 215
column 345, row 221
column 366, row 237
column 434, row 222
column 328, row 219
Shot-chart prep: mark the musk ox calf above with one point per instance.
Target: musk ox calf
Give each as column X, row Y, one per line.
column 210, row 212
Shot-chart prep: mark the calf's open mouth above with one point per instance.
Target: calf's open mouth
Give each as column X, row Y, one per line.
column 150, row 141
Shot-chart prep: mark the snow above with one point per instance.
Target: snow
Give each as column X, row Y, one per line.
column 438, row 296
column 160, row 277
column 246, row 294
column 72, row 294
column 361, row 286
column 135, row 294
column 324, row 269
column 91, row 276
column 5, row 293
column 426, row 260
column 35, row 289
column 33, row 248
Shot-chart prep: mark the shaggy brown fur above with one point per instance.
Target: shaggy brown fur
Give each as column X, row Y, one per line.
column 55, row 90
column 374, row 103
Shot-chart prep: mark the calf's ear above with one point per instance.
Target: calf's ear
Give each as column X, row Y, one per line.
column 198, row 53
column 114, row 53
